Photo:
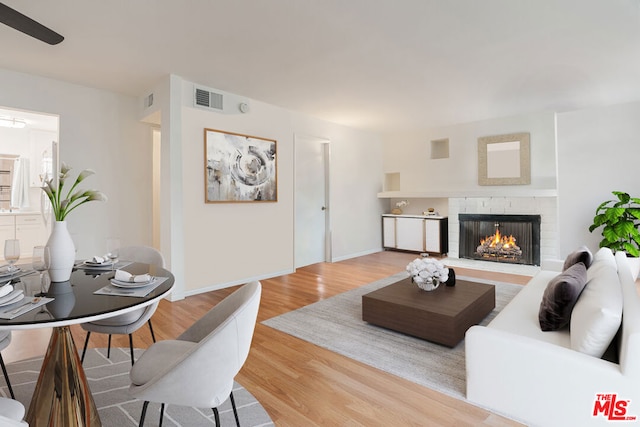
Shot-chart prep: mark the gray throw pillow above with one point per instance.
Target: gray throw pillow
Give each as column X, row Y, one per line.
column 582, row 254
column 560, row 296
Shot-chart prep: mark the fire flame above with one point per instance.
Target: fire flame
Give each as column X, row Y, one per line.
column 498, row 240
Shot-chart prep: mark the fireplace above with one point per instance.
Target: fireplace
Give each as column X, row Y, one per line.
column 513, row 239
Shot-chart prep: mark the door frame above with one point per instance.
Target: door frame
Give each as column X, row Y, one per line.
column 326, row 155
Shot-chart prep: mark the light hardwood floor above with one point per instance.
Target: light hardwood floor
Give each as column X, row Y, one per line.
column 298, row 383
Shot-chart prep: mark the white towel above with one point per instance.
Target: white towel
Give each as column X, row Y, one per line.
column 20, row 184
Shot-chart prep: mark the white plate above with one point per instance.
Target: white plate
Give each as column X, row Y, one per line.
column 5, row 290
column 14, row 296
column 98, row 264
column 121, row 284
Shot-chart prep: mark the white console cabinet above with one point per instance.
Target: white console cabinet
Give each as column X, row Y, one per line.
column 416, row 233
column 28, row 228
column 7, row 229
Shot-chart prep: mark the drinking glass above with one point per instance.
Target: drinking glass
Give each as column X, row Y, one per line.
column 113, row 245
column 40, row 263
column 12, row 252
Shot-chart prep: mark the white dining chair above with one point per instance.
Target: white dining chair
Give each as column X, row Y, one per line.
column 5, row 340
column 128, row 323
column 198, row 368
column 11, row 413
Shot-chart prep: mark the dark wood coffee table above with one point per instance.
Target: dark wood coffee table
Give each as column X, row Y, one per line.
column 442, row 316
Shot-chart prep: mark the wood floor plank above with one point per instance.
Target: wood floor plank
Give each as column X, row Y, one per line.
column 299, row 383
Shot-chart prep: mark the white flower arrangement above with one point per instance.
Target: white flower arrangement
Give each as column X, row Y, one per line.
column 427, row 273
column 62, row 207
column 401, row 204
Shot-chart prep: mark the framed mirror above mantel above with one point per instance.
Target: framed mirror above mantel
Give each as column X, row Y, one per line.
column 504, row 159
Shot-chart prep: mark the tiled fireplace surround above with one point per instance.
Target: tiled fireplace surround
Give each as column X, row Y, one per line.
column 546, row 207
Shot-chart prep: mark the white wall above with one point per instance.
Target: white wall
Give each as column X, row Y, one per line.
column 207, row 245
column 221, row 244
column 598, row 152
column 456, row 177
column 98, row 130
column 355, row 179
column 409, row 153
column 227, row 243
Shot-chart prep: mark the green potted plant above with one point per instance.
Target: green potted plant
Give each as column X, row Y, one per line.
column 620, row 219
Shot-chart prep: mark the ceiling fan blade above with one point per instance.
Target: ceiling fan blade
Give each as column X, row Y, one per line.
column 23, row 23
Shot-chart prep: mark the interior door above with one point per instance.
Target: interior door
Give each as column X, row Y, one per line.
column 311, row 201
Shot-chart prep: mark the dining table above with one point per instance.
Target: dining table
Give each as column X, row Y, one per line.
column 62, row 396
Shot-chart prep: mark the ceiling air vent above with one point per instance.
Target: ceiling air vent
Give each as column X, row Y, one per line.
column 208, row 99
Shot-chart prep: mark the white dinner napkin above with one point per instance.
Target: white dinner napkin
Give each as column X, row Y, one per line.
column 15, row 296
column 125, row 276
column 98, row 259
column 6, row 290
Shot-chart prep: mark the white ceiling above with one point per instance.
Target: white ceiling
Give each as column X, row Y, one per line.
column 33, row 120
column 371, row 64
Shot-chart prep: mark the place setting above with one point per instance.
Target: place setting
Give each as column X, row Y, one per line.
column 10, row 271
column 14, row 302
column 124, row 283
column 101, row 263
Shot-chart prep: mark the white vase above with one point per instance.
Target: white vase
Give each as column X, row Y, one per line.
column 62, row 252
column 428, row 285
column 64, row 300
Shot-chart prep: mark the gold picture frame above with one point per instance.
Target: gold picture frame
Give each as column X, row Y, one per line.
column 504, row 159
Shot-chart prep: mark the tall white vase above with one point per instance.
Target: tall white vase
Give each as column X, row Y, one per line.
column 62, row 252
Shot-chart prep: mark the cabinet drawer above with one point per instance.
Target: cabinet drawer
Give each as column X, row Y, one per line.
column 28, row 219
column 7, row 220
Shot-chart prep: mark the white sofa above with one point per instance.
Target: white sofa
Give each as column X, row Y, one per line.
column 539, row 378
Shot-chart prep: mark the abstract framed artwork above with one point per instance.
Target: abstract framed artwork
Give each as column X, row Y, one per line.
column 239, row 168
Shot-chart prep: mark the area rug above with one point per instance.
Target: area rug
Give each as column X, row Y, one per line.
column 109, row 380
column 336, row 324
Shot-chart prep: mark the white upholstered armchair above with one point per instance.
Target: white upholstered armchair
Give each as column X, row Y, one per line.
column 11, row 413
column 5, row 340
column 198, row 368
column 128, row 323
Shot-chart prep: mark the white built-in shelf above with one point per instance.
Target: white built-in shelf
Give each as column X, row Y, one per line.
column 489, row 192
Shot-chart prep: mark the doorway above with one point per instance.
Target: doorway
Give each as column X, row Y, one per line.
column 28, row 153
column 312, row 220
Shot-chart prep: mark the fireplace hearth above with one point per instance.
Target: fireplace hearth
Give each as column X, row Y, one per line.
column 513, row 239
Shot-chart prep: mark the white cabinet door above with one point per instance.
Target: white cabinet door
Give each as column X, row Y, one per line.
column 388, row 232
column 30, row 230
column 410, row 234
column 7, row 230
column 432, row 235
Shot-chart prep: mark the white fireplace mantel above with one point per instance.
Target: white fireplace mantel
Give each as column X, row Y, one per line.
column 507, row 191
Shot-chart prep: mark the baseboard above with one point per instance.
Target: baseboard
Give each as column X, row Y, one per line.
column 218, row 286
column 356, row 255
